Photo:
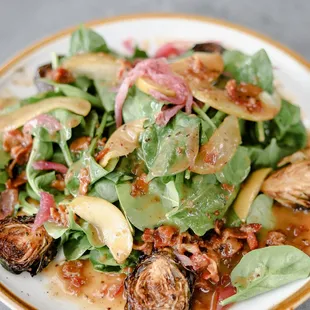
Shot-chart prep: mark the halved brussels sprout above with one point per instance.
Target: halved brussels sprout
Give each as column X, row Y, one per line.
column 22, row 249
column 159, row 282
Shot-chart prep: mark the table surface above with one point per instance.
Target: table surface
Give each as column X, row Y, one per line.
column 24, row 22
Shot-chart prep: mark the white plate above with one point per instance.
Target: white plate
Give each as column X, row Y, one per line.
column 291, row 71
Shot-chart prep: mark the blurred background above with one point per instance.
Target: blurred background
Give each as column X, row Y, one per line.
column 23, row 22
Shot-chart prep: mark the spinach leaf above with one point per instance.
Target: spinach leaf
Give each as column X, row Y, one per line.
column 237, row 169
column 140, row 105
column 261, row 212
column 89, row 124
column 83, row 83
column 149, row 210
column 264, row 269
column 76, row 246
column 39, row 97
column 72, row 91
column 105, row 189
column 138, row 54
column 204, row 201
column 28, row 208
column 85, row 40
column 40, row 151
column 106, row 95
column 4, row 159
column 56, row 231
column 232, row 219
column 255, row 69
column 170, row 149
column 3, row 176
column 102, row 260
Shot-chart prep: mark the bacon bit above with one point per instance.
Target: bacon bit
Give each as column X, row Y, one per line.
column 46, row 203
column 80, row 144
column 59, row 185
column 60, row 75
column 21, row 179
column 209, row 265
column 139, row 187
column 8, row 200
column 169, row 50
column 276, row 238
column 84, row 181
column 244, row 94
column 49, row 165
column 72, row 271
column 159, row 72
column 219, row 224
column 60, row 215
column 50, row 123
column 211, row 158
column 228, row 187
column 20, row 155
column 115, row 290
column 101, row 154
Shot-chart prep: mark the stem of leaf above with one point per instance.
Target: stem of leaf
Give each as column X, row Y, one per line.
column 218, row 117
column 203, row 115
column 99, row 132
column 261, row 131
column 205, row 108
column 66, row 152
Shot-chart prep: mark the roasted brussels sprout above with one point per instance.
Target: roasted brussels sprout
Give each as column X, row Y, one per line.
column 159, row 282
column 209, row 47
column 22, row 249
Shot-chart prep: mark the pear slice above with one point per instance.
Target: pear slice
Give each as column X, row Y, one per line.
column 146, row 85
column 249, row 192
column 18, row 118
column 110, row 223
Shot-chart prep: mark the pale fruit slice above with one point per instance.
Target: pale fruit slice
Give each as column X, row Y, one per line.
column 249, row 192
column 18, row 118
column 219, row 99
column 123, row 141
column 109, row 222
column 96, row 66
column 146, row 85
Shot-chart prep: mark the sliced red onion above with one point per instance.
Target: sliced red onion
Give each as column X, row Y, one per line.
column 46, row 203
column 128, row 44
column 49, row 165
column 50, row 123
column 8, row 200
column 165, row 116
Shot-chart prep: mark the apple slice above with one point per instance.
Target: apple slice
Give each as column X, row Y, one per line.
column 109, row 221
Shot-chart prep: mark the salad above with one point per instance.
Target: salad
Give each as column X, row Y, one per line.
column 185, row 174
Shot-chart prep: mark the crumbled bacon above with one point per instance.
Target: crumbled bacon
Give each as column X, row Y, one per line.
column 140, row 186
column 60, row 75
column 245, row 95
column 59, row 215
column 80, row 144
column 21, row 179
column 275, row 238
column 101, row 154
column 8, row 200
column 84, row 179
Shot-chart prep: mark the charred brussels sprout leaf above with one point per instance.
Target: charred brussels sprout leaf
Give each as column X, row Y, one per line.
column 159, row 282
column 21, row 249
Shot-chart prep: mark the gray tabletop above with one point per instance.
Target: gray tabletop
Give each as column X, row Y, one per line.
column 23, row 22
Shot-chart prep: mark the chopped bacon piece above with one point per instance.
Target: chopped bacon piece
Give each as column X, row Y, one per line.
column 80, row 144
column 244, row 94
column 60, row 75
column 59, row 215
column 50, row 123
column 60, row 185
column 46, row 203
column 140, row 186
column 101, row 154
column 276, row 238
column 84, row 181
column 49, row 165
column 8, row 200
column 203, row 261
column 158, row 71
column 21, row 179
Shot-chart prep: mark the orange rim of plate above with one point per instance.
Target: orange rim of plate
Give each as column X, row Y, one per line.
column 292, row 301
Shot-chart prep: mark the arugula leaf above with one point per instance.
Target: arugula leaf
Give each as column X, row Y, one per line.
column 261, row 212
column 149, row 210
column 264, row 269
column 237, row 169
column 140, row 105
column 85, row 40
column 255, row 69
column 170, row 149
column 204, row 201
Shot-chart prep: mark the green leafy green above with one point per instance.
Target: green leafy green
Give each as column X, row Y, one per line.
column 105, row 189
column 4, row 158
column 85, row 40
column 149, row 210
column 255, row 69
column 170, row 149
column 237, row 169
column 106, row 95
column 204, row 201
column 264, row 269
column 76, row 246
column 3, row 176
column 261, row 212
column 140, row 105
column 138, row 54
